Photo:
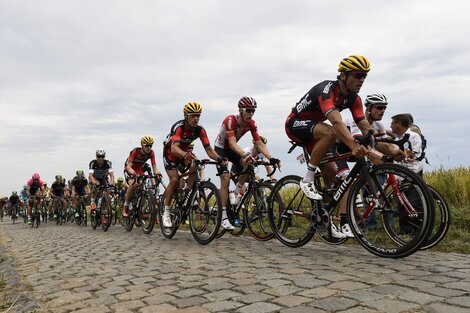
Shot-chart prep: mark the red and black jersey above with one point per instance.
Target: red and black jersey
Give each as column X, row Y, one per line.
column 325, row 97
column 138, row 159
column 184, row 135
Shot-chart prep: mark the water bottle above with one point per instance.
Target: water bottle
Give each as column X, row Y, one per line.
column 232, row 198
column 99, row 202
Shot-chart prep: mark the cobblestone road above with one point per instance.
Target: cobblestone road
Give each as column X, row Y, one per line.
column 75, row 269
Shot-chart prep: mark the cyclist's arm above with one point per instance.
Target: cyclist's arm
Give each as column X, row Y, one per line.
column 177, row 151
column 233, row 145
column 342, row 131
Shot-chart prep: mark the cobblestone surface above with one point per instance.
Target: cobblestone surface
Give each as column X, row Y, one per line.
column 75, row 269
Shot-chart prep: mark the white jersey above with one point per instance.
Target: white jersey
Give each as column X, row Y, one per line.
column 355, row 131
column 416, row 142
column 259, row 156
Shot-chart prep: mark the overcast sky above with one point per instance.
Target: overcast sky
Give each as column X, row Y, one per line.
column 76, row 76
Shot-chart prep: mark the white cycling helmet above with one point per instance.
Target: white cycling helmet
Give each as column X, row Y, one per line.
column 375, row 99
column 100, row 152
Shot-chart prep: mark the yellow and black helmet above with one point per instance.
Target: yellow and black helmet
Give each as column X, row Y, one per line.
column 146, row 140
column 354, row 63
column 192, row 107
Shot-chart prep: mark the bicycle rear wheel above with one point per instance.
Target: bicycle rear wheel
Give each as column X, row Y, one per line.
column 256, row 213
column 290, row 212
column 390, row 191
column 442, row 220
column 147, row 213
column 205, row 214
column 106, row 219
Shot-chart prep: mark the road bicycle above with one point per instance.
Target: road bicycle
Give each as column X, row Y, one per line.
column 251, row 211
column 142, row 209
column 200, row 204
column 81, row 215
column 385, row 190
column 59, row 209
column 36, row 212
column 102, row 215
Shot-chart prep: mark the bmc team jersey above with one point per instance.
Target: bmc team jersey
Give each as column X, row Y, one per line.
column 101, row 172
column 185, row 136
column 230, row 128
column 324, row 98
column 138, row 159
column 34, row 185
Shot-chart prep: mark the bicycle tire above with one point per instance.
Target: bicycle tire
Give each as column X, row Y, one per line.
column 205, row 214
column 169, row 232
column 147, row 213
column 256, row 213
column 388, row 239
column 290, row 213
column 106, row 218
column 93, row 219
column 442, row 220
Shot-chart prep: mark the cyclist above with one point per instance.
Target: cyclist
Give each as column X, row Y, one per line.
column 232, row 129
column 24, row 199
column 133, row 167
column 3, row 205
column 101, row 173
column 259, row 156
column 15, row 202
column 121, row 187
column 35, row 188
column 58, row 191
column 79, row 187
column 178, row 155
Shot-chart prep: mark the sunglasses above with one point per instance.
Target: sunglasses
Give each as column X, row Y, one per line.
column 148, row 146
column 251, row 111
column 381, row 108
column 359, row 75
column 100, row 156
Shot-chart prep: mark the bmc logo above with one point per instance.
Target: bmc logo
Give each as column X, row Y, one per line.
column 303, row 104
column 300, row 124
column 327, row 87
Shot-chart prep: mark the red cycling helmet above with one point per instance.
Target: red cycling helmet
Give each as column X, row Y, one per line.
column 36, row 176
column 247, row 103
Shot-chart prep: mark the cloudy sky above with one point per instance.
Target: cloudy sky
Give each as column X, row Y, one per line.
column 76, row 76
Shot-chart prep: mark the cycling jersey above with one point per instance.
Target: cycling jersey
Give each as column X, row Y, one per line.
column 100, row 172
column 315, row 105
column 138, row 159
column 24, row 196
column 79, row 185
column 34, row 185
column 57, row 189
column 14, row 200
column 184, row 136
column 231, row 128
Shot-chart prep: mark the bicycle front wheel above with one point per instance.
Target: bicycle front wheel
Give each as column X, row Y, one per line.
column 106, row 219
column 147, row 213
column 290, row 212
column 256, row 213
column 205, row 214
column 402, row 204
